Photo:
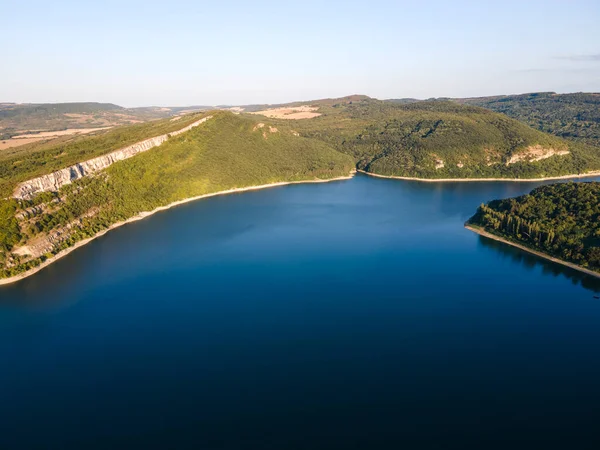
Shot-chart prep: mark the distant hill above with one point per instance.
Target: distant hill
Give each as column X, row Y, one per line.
column 28, row 119
column 443, row 139
column 571, row 116
column 50, row 109
column 403, row 101
column 319, row 102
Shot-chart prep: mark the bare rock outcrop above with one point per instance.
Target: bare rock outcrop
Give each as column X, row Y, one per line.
column 55, row 180
column 536, row 153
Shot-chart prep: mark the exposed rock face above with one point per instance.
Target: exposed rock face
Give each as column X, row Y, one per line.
column 47, row 242
column 535, row 153
column 55, row 180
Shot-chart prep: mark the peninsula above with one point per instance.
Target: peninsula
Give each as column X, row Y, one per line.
column 558, row 222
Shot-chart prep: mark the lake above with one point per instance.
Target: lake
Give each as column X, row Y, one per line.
column 352, row 314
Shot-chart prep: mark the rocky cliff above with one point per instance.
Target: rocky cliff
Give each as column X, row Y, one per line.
column 55, row 180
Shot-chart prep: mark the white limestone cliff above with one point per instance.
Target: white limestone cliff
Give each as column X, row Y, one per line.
column 55, row 180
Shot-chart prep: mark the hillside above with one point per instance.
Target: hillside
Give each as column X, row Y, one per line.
column 318, row 102
column 443, row 139
column 22, row 124
column 571, row 116
column 560, row 220
column 225, row 152
column 18, row 119
column 29, row 161
column 10, row 110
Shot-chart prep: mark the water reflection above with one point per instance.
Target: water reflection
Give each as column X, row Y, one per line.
column 531, row 261
column 295, row 305
column 366, row 214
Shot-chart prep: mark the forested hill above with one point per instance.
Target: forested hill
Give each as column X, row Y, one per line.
column 443, row 139
column 228, row 151
column 561, row 220
column 40, row 158
column 571, row 116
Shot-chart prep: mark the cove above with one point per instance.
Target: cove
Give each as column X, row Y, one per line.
column 352, row 314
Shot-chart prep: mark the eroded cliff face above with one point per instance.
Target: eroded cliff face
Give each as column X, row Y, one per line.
column 536, row 153
column 55, row 180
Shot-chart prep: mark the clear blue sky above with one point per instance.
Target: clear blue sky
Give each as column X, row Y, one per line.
column 138, row 53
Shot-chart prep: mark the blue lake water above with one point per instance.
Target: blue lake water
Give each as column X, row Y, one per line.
column 354, row 314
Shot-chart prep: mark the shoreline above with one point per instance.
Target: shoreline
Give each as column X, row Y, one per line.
column 144, row 214
column 595, row 173
column 482, row 232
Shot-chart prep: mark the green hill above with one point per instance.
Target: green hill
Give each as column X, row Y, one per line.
column 228, row 151
column 443, row 139
column 571, row 116
column 560, row 220
column 39, row 158
column 320, row 102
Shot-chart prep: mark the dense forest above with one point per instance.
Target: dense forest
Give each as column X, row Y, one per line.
column 571, row 116
column 228, row 151
column 443, row 139
column 562, row 220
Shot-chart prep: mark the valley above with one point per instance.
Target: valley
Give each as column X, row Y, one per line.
column 61, row 193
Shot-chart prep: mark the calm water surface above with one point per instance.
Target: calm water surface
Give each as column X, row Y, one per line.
column 355, row 314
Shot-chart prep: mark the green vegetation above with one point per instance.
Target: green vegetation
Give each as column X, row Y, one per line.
column 28, row 118
column 431, row 139
column 561, row 220
column 571, row 116
column 226, row 152
column 322, row 102
column 16, row 119
column 29, row 161
column 48, row 109
column 442, row 139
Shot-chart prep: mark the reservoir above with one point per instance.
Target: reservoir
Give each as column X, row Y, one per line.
column 351, row 314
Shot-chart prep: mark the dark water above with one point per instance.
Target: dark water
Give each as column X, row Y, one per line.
column 356, row 314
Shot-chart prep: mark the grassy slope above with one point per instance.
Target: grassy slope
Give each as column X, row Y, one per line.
column 407, row 139
column 560, row 220
column 571, row 116
column 29, row 161
column 224, row 153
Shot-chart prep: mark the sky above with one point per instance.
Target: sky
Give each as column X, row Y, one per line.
column 143, row 53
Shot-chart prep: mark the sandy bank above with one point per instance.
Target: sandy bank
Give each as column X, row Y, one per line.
column 484, row 233
column 518, row 180
column 145, row 214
